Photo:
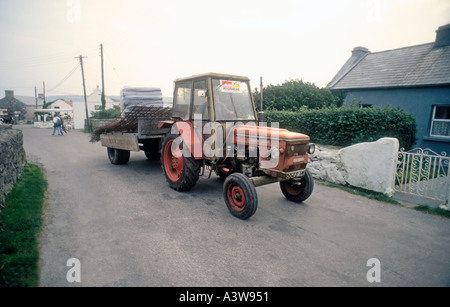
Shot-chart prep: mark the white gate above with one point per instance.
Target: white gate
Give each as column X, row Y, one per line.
column 424, row 173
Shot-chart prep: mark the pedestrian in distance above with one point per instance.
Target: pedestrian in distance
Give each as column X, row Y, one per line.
column 57, row 125
column 63, row 128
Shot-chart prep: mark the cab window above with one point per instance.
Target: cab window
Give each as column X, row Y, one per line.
column 201, row 106
column 182, row 101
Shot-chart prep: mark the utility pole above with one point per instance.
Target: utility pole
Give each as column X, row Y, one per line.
column 103, row 80
column 43, row 83
column 36, row 100
column 261, row 111
column 35, row 97
column 84, row 90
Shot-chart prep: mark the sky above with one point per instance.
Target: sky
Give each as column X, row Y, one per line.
column 151, row 43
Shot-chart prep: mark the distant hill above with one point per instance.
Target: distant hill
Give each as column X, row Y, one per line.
column 166, row 100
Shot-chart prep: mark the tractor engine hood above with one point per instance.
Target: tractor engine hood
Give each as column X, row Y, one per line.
column 269, row 133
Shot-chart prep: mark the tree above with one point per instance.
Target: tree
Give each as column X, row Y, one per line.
column 114, row 112
column 295, row 94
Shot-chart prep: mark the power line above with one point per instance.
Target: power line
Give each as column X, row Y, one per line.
column 64, row 79
column 112, row 65
column 33, row 61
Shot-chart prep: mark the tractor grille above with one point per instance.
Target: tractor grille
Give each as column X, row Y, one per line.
column 296, row 167
column 296, row 149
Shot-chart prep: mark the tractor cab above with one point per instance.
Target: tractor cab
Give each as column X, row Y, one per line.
column 214, row 97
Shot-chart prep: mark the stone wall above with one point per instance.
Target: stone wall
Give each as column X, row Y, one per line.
column 370, row 166
column 12, row 159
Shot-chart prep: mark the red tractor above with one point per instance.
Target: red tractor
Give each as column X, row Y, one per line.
column 213, row 126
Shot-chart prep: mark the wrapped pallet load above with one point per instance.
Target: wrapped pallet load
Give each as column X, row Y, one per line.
column 139, row 96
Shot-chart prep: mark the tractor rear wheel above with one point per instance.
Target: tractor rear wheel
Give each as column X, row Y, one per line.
column 298, row 191
column 182, row 173
column 240, row 196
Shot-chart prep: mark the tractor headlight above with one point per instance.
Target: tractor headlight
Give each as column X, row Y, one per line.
column 311, row 148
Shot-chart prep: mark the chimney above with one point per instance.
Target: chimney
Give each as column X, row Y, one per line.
column 9, row 94
column 359, row 52
column 442, row 36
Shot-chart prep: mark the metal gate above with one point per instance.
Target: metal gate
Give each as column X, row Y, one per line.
column 424, row 173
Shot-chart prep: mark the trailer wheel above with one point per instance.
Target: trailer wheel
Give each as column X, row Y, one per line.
column 151, row 149
column 240, row 196
column 118, row 156
column 182, row 173
column 298, row 192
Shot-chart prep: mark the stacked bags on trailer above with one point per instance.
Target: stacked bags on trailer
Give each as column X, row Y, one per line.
column 139, row 96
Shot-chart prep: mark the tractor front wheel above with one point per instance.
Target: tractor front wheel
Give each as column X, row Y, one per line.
column 240, row 196
column 298, row 191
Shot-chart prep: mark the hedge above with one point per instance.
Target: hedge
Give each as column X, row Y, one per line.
column 292, row 95
column 349, row 125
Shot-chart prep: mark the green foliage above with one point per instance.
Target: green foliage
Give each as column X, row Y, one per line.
column 295, row 94
column 114, row 112
column 349, row 125
column 20, row 225
column 435, row 211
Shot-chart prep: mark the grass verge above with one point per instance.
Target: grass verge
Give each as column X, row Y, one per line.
column 363, row 192
column 20, row 226
column 435, row 211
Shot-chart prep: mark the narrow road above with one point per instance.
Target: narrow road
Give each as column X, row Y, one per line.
column 128, row 228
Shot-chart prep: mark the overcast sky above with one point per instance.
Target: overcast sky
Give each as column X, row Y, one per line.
column 153, row 42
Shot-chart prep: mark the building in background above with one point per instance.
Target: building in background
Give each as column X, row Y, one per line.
column 415, row 79
column 94, row 103
column 12, row 109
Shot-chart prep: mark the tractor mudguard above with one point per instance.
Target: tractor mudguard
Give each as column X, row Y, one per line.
column 192, row 144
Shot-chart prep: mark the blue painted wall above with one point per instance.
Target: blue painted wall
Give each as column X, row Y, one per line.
column 418, row 102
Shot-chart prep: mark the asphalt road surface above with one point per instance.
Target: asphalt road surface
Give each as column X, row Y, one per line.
column 128, row 228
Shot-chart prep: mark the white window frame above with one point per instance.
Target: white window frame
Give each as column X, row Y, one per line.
column 433, row 120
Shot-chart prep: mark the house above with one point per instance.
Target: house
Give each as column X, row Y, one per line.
column 94, row 103
column 60, row 104
column 415, row 79
column 32, row 104
column 12, row 109
column 44, row 116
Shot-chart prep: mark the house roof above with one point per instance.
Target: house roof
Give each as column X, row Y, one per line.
column 61, row 101
column 10, row 101
column 420, row 65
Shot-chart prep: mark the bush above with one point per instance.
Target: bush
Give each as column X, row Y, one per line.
column 295, row 94
column 349, row 125
column 114, row 112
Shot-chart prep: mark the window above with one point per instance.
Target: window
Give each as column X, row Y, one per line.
column 232, row 100
column 201, row 100
column 440, row 123
column 182, row 101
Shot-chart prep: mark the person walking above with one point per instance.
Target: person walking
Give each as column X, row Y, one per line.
column 63, row 128
column 57, row 125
